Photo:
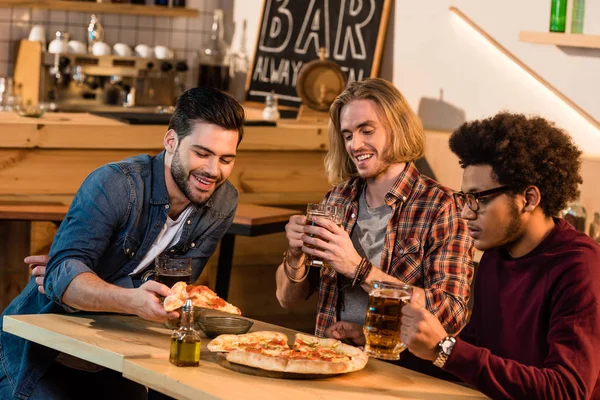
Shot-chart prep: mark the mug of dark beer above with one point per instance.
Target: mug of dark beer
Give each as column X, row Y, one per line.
column 170, row 270
column 383, row 319
column 327, row 211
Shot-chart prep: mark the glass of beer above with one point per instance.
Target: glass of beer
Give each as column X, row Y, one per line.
column 383, row 319
column 333, row 213
column 170, row 270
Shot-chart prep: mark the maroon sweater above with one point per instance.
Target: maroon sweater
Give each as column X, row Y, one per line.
column 535, row 328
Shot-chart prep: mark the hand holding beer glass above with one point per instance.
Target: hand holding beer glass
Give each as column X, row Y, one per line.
column 383, row 319
column 333, row 213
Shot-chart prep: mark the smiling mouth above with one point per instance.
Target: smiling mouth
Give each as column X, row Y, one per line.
column 363, row 157
column 204, row 183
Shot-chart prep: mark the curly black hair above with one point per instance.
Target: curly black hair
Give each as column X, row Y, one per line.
column 523, row 151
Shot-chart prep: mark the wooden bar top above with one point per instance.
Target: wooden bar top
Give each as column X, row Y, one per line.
column 140, row 350
column 246, row 214
column 88, row 131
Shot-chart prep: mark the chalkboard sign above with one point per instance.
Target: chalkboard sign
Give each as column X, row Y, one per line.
column 292, row 32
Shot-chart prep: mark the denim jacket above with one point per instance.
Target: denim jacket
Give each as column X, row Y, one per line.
column 113, row 221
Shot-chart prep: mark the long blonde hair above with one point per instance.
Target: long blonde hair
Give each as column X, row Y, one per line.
column 407, row 140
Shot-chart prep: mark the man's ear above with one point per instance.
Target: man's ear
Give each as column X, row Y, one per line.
column 171, row 141
column 533, row 198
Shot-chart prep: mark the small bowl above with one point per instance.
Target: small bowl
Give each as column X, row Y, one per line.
column 31, row 111
column 215, row 326
column 199, row 314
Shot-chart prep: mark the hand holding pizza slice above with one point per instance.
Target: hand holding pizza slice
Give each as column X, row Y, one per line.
column 201, row 296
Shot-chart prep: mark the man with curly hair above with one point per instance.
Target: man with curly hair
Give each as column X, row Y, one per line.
column 535, row 327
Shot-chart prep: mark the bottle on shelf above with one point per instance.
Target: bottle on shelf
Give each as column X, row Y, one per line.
column 213, row 68
column 95, row 32
column 575, row 214
column 271, row 110
column 595, row 227
column 240, row 64
column 186, row 341
column 578, row 16
column 179, row 3
column 558, row 15
column 163, row 3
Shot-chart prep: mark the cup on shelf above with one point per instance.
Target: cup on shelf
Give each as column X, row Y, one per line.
column 122, row 50
column 38, row 34
column 101, row 49
column 77, row 47
column 163, row 53
column 144, row 51
column 60, row 44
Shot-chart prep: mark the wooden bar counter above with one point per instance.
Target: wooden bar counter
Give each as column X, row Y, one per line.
column 46, row 159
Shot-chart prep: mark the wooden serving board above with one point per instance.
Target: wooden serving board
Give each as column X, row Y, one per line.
column 222, row 361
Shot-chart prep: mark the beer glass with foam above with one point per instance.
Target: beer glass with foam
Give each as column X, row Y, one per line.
column 383, row 319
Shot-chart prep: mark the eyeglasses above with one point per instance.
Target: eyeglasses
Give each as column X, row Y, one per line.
column 472, row 199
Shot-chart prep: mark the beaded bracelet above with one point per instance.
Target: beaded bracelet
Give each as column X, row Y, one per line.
column 362, row 272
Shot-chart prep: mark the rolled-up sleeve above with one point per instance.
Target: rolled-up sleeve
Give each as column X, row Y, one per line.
column 99, row 207
column 448, row 269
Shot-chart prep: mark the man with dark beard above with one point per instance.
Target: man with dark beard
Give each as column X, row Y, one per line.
column 535, row 328
column 123, row 216
column 399, row 225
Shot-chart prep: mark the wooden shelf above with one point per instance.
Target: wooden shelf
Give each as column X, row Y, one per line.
column 561, row 39
column 92, row 7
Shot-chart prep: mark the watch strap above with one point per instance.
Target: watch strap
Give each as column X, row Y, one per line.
column 443, row 355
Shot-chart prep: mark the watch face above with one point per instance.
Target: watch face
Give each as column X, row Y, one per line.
column 447, row 345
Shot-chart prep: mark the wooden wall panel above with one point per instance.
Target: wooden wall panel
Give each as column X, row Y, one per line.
column 262, row 177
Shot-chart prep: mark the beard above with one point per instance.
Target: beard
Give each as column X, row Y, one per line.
column 382, row 166
column 515, row 229
column 181, row 178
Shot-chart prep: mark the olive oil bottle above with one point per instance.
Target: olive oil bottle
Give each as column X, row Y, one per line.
column 186, row 341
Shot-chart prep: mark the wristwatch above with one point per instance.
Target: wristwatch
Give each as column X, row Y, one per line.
column 445, row 346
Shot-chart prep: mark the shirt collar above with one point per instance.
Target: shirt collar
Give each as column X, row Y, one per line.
column 159, row 193
column 404, row 184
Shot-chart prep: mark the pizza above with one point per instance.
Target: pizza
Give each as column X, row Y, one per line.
column 201, row 296
column 309, row 355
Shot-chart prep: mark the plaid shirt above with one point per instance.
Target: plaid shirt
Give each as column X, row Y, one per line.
column 426, row 245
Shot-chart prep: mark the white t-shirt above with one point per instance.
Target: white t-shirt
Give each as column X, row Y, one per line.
column 168, row 236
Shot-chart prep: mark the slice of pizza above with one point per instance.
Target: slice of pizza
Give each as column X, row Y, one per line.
column 263, row 342
column 176, row 300
column 310, row 355
column 201, row 296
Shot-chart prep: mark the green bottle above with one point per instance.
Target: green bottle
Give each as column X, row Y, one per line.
column 558, row 15
column 578, row 14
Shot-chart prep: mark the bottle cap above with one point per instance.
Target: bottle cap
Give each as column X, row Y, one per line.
column 188, row 306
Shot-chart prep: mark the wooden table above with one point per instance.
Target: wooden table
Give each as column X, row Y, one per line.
column 15, row 219
column 139, row 350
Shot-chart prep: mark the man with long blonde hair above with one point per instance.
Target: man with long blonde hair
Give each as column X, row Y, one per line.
column 399, row 225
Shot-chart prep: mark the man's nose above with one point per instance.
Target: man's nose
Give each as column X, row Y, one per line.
column 467, row 213
column 212, row 166
column 357, row 142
